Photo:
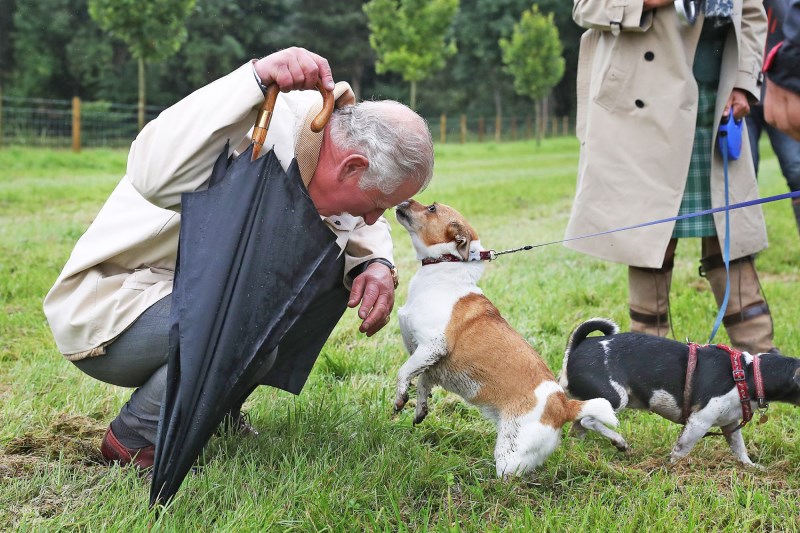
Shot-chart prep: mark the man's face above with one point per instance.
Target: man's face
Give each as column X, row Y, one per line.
column 334, row 188
column 370, row 205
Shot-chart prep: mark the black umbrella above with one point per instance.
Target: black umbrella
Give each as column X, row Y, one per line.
column 257, row 269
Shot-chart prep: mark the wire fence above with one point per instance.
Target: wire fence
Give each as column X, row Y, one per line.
column 72, row 123
column 466, row 128
column 52, row 123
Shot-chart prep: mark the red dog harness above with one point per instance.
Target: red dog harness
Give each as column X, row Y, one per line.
column 739, row 379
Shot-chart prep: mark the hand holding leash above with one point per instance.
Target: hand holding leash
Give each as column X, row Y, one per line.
column 729, row 137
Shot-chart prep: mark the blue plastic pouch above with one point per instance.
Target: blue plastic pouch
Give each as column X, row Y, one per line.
column 729, row 137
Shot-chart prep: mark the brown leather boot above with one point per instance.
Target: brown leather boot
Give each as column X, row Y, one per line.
column 114, row 451
column 648, row 295
column 747, row 319
column 648, row 299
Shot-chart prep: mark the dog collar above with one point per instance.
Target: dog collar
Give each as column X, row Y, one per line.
column 762, row 400
column 484, row 255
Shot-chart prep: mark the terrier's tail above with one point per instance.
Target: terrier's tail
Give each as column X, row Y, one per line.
column 578, row 335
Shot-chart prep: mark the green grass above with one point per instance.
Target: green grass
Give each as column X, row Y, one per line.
column 335, row 458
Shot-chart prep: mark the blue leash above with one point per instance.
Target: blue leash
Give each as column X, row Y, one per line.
column 732, row 207
column 730, row 145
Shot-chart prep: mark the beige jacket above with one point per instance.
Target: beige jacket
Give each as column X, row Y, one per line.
column 637, row 103
column 124, row 263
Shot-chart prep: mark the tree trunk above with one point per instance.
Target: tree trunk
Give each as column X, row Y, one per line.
column 413, row 103
column 545, row 115
column 355, row 81
column 141, row 93
column 498, row 114
column 539, row 121
column 1, row 113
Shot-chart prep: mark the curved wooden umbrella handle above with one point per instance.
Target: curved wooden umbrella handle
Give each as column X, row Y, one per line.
column 265, row 115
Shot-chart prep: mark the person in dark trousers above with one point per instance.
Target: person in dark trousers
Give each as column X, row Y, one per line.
column 782, row 66
column 785, row 147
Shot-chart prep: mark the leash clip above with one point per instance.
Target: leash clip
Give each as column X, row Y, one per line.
column 488, row 255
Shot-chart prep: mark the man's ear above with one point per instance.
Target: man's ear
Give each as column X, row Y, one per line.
column 461, row 235
column 353, row 166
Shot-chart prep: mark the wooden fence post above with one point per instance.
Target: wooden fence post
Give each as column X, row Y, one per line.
column 565, row 125
column 76, row 124
column 463, row 128
column 481, row 129
column 498, row 126
column 528, row 127
column 443, row 128
column 555, row 127
column 513, row 127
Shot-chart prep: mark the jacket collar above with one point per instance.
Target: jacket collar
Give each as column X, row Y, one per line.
column 309, row 143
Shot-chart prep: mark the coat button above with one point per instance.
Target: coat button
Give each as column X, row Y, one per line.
column 649, row 56
column 639, row 103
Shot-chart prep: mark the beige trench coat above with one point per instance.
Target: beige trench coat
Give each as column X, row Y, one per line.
column 125, row 261
column 637, row 104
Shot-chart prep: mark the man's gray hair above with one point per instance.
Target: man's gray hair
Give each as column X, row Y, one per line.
column 394, row 139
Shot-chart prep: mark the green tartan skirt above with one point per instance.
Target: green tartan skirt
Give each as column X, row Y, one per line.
column 697, row 194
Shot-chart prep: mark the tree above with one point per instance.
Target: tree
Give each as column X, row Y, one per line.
column 533, row 57
column 91, row 60
column 410, row 37
column 320, row 25
column 564, row 94
column 478, row 66
column 7, row 8
column 41, row 32
column 222, row 35
column 153, row 30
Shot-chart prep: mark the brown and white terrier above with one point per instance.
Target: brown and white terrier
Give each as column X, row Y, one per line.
column 457, row 339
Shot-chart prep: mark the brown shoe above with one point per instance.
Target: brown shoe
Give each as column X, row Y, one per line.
column 114, row 451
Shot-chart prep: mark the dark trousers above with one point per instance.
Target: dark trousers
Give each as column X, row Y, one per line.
column 138, row 358
column 786, row 149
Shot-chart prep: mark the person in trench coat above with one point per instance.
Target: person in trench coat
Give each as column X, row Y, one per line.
column 651, row 94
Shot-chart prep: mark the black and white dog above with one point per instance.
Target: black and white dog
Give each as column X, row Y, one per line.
column 641, row 371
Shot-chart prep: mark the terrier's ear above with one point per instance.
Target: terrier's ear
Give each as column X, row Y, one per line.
column 461, row 235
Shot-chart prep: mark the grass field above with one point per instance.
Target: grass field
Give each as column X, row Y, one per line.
column 335, row 458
